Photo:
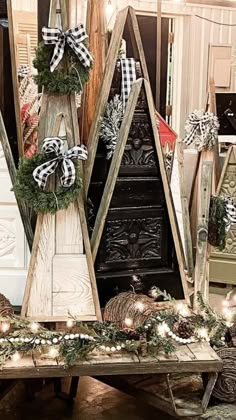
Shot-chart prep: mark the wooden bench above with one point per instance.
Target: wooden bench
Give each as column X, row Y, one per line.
column 191, row 358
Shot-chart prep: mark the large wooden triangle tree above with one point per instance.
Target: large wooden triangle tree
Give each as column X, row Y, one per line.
column 61, row 279
column 114, row 171
column 125, row 16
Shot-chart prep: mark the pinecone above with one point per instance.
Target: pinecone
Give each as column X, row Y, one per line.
column 132, row 335
column 184, row 329
column 6, row 308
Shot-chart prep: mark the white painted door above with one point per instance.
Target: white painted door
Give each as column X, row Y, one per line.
column 13, row 246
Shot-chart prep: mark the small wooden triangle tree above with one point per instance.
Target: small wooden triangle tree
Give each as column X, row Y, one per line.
column 128, row 16
column 61, row 278
column 115, row 167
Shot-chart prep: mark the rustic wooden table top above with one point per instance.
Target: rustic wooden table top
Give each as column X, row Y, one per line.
column 195, row 357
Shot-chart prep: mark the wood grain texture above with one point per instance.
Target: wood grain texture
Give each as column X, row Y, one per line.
column 15, row 78
column 24, row 212
column 168, row 196
column 96, row 364
column 201, row 283
column 76, row 279
column 96, row 30
column 114, row 167
column 128, row 15
column 74, row 303
column 180, row 200
column 40, row 271
column 69, row 238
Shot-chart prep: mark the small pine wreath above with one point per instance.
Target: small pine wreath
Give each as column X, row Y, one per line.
column 40, row 200
column 64, row 79
column 217, row 223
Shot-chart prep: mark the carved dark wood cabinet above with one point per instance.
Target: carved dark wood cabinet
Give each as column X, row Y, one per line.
column 136, row 248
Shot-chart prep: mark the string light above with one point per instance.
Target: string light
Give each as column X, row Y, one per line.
column 139, row 306
column 34, row 326
column 53, row 352
column 5, row 327
column 203, row 334
column 227, row 313
column 109, row 9
column 182, row 309
column 70, row 323
column 129, row 322
column 16, row 356
column 163, row 329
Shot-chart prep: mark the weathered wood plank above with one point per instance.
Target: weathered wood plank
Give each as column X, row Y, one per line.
column 168, row 196
column 125, row 14
column 201, row 283
column 203, row 352
column 96, row 30
column 40, row 270
column 103, row 368
column 115, row 167
column 19, row 129
column 185, row 209
column 184, row 354
column 68, row 231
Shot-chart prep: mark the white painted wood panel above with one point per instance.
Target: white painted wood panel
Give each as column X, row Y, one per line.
column 13, row 247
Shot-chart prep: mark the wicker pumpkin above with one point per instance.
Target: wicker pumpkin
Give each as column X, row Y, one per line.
column 225, row 387
column 6, row 308
column 134, row 306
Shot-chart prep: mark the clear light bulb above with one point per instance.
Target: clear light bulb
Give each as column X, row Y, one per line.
column 109, row 9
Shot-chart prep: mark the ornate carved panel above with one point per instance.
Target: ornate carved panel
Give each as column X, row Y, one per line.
column 229, row 183
column 132, row 239
column 139, row 150
column 12, row 239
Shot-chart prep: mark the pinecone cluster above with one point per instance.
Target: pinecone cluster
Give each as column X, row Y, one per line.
column 183, row 329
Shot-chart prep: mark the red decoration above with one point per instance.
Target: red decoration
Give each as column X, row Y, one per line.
column 167, row 135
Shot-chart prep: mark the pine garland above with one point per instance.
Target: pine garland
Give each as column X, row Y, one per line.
column 65, row 79
column 110, row 124
column 81, row 339
column 40, row 200
column 217, row 223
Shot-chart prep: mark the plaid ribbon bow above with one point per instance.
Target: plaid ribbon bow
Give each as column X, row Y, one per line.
column 55, row 145
column 73, row 37
column 230, row 210
column 199, row 126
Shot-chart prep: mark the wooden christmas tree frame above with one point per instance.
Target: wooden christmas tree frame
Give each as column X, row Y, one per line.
column 61, row 279
column 113, row 174
column 125, row 15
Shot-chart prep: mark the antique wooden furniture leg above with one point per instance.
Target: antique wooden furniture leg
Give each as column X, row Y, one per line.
column 212, row 378
column 70, row 396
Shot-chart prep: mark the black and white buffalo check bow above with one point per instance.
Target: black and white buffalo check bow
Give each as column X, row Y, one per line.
column 128, row 70
column 198, row 123
column 55, row 145
column 230, row 210
column 73, row 37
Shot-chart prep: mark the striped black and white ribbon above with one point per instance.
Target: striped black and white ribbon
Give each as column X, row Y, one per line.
column 230, row 212
column 128, row 71
column 72, row 37
column 201, row 129
column 54, row 145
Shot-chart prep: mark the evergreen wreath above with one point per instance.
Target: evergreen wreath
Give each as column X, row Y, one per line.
column 64, row 79
column 40, row 200
column 110, row 124
column 217, row 223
